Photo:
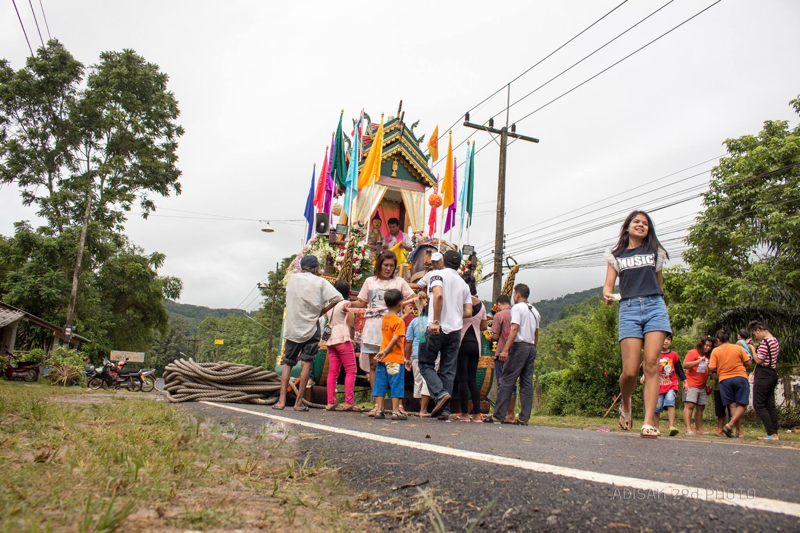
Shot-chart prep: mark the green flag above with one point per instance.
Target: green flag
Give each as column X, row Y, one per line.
column 338, row 166
column 470, row 186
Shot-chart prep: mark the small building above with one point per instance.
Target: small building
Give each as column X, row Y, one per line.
column 10, row 317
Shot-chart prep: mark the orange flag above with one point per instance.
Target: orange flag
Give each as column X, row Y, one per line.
column 447, row 182
column 433, row 144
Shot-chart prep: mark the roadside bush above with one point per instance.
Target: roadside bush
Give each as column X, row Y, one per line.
column 66, row 367
column 35, row 355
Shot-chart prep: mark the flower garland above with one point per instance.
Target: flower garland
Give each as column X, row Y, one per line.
column 363, row 266
column 477, row 274
column 417, row 238
column 320, row 247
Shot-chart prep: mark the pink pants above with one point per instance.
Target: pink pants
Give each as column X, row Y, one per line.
column 341, row 355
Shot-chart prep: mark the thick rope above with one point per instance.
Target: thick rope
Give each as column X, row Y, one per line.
column 189, row 381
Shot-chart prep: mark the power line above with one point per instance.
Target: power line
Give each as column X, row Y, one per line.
column 46, row 25
column 37, row 22
column 582, row 60
column 610, row 205
column 587, row 28
column 23, row 26
column 618, row 62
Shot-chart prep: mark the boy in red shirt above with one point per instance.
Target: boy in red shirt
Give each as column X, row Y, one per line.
column 669, row 366
column 390, row 370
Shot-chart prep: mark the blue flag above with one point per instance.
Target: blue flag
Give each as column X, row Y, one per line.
column 351, row 183
column 309, row 214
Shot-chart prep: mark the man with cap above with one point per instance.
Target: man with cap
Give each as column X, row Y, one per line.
column 449, row 302
column 308, row 297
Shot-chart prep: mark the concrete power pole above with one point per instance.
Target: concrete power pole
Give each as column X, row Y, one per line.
column 504, row 133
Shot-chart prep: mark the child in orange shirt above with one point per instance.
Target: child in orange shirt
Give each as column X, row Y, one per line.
column 390, row 370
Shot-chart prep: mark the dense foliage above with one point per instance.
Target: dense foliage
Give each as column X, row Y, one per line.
column 84, row 145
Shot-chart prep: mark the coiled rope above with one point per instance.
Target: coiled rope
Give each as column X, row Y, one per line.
column 189, row 381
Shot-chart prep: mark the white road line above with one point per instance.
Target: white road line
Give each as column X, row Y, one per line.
column 644, row 487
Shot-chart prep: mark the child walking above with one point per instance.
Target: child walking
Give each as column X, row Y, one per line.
column 340, row 351
column 390, row 371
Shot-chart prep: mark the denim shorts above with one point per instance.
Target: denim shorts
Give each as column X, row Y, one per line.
column 394, row 384
column 666, row 400
column 638, row 316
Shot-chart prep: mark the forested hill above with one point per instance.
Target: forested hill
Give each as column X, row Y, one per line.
column 194, row 314
column 551, row 309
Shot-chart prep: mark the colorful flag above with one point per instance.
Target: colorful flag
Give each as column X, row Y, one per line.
column 450, row 221
column 329, row 187
column 338, row 164
column 309, row 214
column 351, row 183
column 371, row 171
column 432, row 217
column 462, row 199
column 400, row 253
column 471, row 187
column 447, row 183
column 319, row 196
column 433, row 144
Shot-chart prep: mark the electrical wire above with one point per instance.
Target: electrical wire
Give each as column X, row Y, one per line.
column 580, row 61
column 485, row 100
column 23, row 26
column 617, row 63
column 46, row 25
column 37, row 22
column 552, row 219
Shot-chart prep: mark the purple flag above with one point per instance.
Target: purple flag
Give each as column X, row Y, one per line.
column 328, row 187
column 450, row 221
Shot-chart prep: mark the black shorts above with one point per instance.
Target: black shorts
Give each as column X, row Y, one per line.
column 719, row 409
column 305, row 351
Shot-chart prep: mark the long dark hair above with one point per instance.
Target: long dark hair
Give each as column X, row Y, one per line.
column 723, row 336
column 650, row 242
column 469, row 279
column 755, row 325
column 343, row 287
column 384, row 256
column 701, row 344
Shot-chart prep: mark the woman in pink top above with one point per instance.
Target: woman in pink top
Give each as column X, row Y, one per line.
column 468, row 355
column 371, row 296
column 340, row 351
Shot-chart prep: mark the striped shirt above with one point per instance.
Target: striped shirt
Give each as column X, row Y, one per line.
column 768, row 352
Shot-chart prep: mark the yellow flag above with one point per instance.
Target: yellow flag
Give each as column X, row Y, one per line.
column 371, row 171
column 433, row 144
column 400, row 253
column 447, row 182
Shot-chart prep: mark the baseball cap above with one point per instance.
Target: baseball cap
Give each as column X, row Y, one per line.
column 452, row 259
column 309, row 262
column 437, row 256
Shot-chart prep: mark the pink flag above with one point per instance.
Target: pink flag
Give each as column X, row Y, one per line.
column 319, row 196
column 450, row 221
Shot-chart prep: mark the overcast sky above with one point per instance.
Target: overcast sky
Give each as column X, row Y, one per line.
column 261, row 84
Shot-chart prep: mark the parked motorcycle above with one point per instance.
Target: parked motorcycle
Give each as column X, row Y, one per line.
column 26, row 371
column 148, row 378
column 116, row 376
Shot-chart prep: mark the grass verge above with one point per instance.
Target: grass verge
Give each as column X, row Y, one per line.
column 90, row 462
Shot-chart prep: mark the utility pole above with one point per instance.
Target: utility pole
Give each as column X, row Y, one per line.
column 504, row 133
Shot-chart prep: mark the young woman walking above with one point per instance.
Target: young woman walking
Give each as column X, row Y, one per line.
column 765, row 378
column 637, row 260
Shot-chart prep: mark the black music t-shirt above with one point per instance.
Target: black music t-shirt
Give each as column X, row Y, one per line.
column 637, row 269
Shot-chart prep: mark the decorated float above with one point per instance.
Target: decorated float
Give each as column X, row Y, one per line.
column 348, row 209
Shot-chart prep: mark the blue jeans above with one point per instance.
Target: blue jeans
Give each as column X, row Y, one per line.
column 447, row 345
column 638, row 316
column 666, row 400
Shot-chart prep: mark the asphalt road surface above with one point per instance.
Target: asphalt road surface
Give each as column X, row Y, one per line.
column 540, row 478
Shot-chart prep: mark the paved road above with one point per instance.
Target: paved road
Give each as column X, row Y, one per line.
column 549, row 478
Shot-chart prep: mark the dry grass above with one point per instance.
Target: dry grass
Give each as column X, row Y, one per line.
column 89, row 462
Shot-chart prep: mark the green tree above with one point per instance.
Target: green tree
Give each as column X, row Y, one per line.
column 170, row 346
column 744, row 260
column 271, row 312
column 91, row 151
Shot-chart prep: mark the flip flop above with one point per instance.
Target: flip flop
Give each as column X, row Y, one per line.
column 648, row 432
column 626, row 416
column 673, row 431
column 728, row 432
column 278, row 408
column 304, row 408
